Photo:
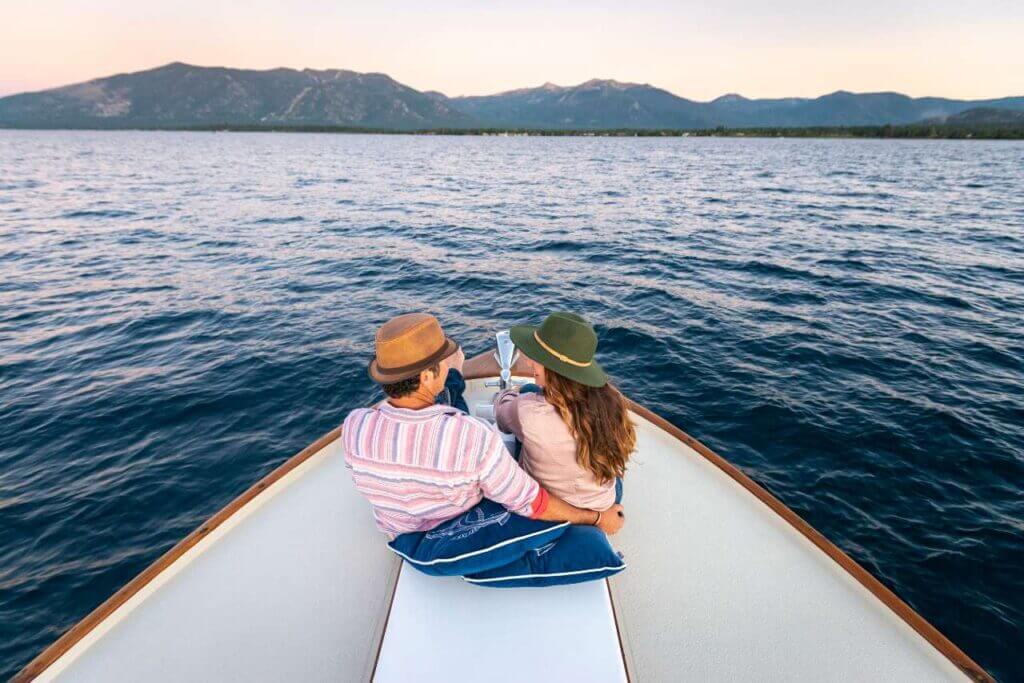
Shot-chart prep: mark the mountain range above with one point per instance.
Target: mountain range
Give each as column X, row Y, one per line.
column 183, row 95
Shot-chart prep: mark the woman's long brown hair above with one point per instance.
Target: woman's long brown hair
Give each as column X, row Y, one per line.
column 598, row 418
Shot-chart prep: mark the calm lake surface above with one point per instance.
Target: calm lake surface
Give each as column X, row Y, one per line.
column 180, row 312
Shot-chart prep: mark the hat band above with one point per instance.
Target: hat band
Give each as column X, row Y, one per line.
column 560, row 356
column 436, row 356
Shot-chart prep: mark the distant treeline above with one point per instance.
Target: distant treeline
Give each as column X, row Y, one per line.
column 932, row 131
column 917, row 130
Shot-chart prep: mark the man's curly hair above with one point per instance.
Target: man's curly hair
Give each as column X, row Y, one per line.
column 404, row 387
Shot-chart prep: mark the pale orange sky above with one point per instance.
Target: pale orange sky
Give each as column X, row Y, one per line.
column 695, row 49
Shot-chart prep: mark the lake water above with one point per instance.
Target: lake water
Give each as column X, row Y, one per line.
column 180, row 312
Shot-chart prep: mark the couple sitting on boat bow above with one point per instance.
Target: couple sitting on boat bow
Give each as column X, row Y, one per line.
column 449, row 494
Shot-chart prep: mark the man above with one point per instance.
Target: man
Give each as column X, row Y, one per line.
column 419, row 463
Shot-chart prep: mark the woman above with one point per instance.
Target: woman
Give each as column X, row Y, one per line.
column 575, row 429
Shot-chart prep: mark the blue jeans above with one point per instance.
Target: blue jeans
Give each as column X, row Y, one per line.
column 532, row 388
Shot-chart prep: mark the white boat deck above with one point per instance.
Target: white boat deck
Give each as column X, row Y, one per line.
column 297, row 584
column 295, row 587
column 443, row 629
column 720, row 588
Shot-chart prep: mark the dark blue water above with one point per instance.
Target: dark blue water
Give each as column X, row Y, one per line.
column 181, row 312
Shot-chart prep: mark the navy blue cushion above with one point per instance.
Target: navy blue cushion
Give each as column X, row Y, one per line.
column 482, row 538
column 582, row 553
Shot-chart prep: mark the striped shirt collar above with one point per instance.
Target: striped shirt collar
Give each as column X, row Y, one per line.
column 415, row 413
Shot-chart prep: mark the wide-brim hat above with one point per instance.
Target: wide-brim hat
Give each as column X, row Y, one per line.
column 408, row 345
column 564, row 343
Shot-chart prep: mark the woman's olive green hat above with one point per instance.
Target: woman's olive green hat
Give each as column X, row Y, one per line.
column 564, row 343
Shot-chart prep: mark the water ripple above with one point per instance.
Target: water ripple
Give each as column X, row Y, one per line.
column 842, row 319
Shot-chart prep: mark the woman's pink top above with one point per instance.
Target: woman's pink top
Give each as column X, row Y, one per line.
column 549, row 450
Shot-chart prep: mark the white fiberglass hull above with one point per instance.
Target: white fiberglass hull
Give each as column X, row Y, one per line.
column 293, row 582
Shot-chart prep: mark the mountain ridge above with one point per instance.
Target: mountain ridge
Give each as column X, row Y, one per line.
column 179, row 94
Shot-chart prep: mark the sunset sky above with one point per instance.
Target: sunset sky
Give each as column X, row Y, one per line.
column 695, row 49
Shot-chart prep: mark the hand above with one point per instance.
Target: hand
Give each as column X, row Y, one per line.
column 457, row 359
column 612, row 520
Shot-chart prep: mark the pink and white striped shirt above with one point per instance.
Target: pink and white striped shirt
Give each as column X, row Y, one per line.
column 419, row 468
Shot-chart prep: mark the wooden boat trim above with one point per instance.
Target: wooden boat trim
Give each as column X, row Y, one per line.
column 484, row 365
column 77, row 632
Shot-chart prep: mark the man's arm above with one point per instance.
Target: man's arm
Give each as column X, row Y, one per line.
column 504, row 482
column 557, row 510
column 454, row 383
